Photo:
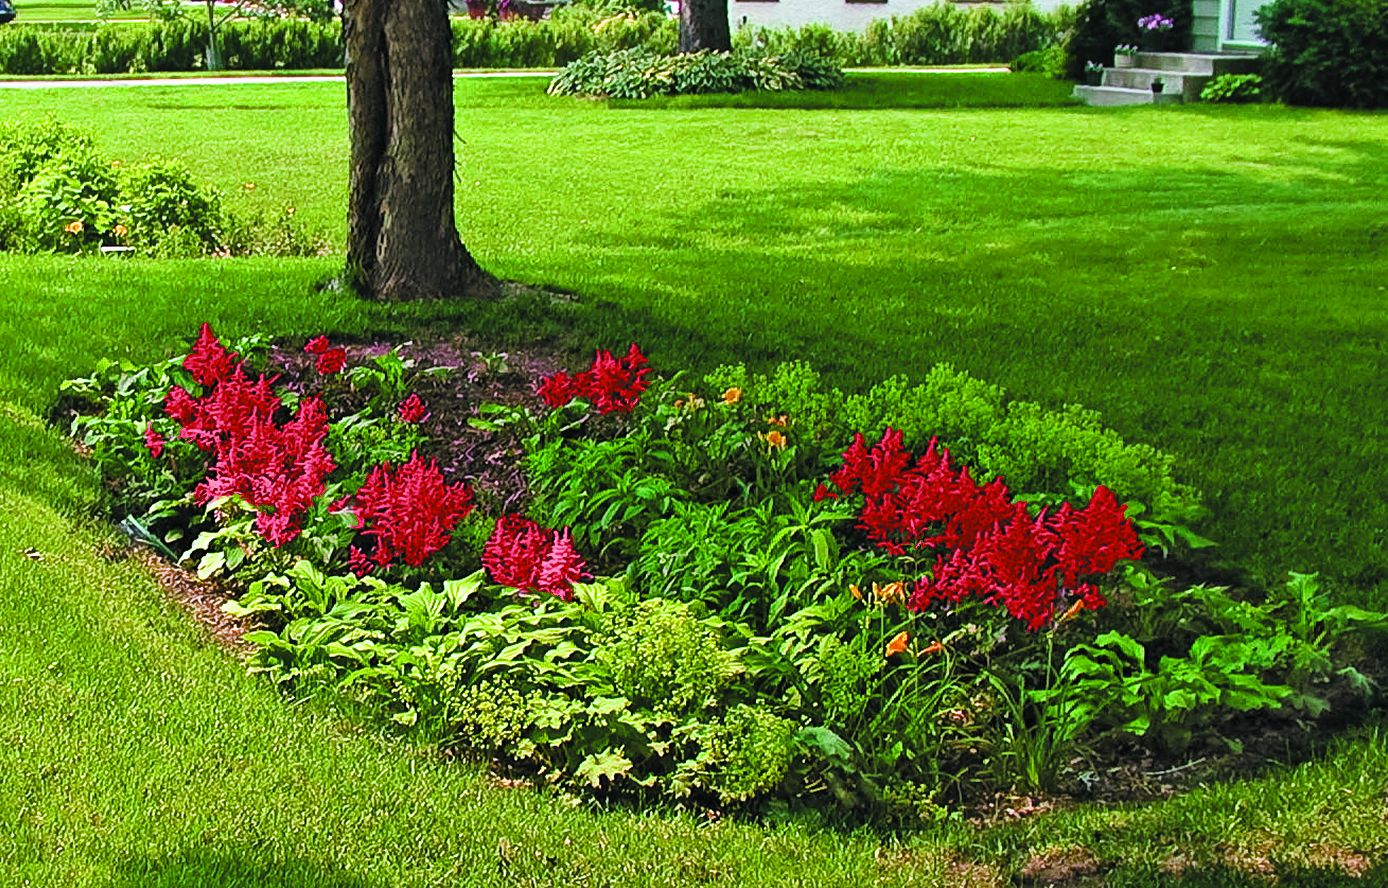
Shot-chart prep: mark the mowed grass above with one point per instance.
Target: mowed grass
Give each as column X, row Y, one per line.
column 1209, row 278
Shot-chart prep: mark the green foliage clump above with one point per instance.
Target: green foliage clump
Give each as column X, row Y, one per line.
column 59, row 194
column 1326, row 52
column 1233, row 88
column 1053, row 453
column 1049, row 61
column 167, row 210
column 662, row 655
column 640, row 74
column 491, row 716
column 745, row 754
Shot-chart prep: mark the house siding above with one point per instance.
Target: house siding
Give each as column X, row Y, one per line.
column 1205, row 26
column 840, row 15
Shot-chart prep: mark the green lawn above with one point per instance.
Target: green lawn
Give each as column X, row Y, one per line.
column 68, row 11
column 1211, row 279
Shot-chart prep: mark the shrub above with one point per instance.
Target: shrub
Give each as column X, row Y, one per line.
column 1233, row 88
column 58, row 194
column 640, row 74
column 168, row 212
column 1049, row 61
column 1327, row 52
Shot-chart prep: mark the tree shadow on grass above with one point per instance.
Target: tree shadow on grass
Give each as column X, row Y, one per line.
column 230, row 868
column 1348, row 875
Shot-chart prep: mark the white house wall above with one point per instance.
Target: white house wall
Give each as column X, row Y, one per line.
column 837, row 14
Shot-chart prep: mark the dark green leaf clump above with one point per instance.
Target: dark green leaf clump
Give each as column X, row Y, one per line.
column 1327, row 52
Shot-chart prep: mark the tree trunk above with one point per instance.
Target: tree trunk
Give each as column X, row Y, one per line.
column 402, row 240
column 704, row 25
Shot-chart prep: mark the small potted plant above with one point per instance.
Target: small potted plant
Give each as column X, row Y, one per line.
column 1154, row 29
column 1093, row 73
column 1125, row 56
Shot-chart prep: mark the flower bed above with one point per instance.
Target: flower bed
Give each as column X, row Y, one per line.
column 739, row 591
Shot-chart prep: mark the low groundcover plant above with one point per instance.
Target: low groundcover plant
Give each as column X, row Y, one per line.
column 710, row 590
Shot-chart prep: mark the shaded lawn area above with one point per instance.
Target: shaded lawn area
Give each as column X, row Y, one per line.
column 1208, row 278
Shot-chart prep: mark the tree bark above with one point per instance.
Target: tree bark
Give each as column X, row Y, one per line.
column 704, row 25
column 402, row 240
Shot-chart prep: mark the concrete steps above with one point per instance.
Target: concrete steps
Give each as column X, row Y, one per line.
column 1183, row 75
column 1210, row 64
column 1112, row 95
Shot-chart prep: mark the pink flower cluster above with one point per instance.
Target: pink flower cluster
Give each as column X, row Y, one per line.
column 613, row 385
column 277, row 467
column 991, row 548
column 525, row 555
column 410, row 512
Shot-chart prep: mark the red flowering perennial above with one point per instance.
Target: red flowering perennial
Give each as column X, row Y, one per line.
column 992, row 548
column 409, row 511
column 277, row 468
column 613, row 385
column 208, row 360
column 413, row 410
column 524, row 555
column 330, row 359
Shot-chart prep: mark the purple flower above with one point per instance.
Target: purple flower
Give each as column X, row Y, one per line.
column 1155, row 22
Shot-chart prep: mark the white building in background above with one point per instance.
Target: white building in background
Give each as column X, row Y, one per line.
column 841, row 15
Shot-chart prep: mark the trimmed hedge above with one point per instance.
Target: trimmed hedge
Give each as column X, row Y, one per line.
column 934, row 35
column 941, row 34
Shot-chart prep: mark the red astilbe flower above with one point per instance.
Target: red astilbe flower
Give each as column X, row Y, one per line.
column 410, row 512
column 277, row 469
column 613, row 385
column 208, row 360
column 154, row 442
column 524, row 555
column 989, row 547
column 330, row 359
column 413, row 409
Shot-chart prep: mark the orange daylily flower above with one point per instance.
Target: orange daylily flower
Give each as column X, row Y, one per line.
column 119, row 231
column 933, row 648
column 1071, row 612
column 892, row 593
column 779, row 421
column 898, row 644
column 732, row 395
column 857, row 593
column 74, row 227
column 776, row 439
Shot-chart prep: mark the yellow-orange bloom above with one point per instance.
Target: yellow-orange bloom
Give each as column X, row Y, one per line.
column 778, row 421
column 74, row 227
column 857, row 593
column 119, row 231
column 933, row 648
column 732, row 395
column 892, row 593
column 898, row 644
column 249, row 186
column 776, row 440
column 1071, row 612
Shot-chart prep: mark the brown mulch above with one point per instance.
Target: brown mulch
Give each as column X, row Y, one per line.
column 201, row 599
column 488, row 460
